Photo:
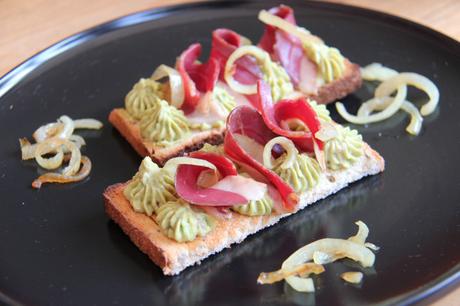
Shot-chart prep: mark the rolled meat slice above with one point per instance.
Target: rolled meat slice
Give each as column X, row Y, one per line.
column 245, row 121
column 274, row 114
column 197, row 78
column 230, row 188
column 288, row 51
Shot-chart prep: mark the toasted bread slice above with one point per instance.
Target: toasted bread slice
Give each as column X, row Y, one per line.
column 337, row 89
column 173, row 257
column 129, row 128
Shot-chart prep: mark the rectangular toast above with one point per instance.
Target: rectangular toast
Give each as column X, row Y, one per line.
column 129, row 127
column 173, row 257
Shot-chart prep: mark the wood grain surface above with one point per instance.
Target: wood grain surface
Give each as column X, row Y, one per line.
column 29, row 26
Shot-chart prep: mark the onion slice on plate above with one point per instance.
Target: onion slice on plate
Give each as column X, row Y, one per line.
column 58, row 138
column 77, row 140
column 352, row 277
column 47, row 131
column 416, row 80
column 377, row 72
column 382, row 115
column 386, row 105
column 46, row 148
column 56, row 144
column 62, row 178
column 302, row 270
column 333, row 246
column 87, row 123
column 323, row 251
column 416, row 120
column 27, row 149
column 61, row 129
column 363, row 232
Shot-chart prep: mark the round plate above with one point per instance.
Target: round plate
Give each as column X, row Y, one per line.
column 59, row 247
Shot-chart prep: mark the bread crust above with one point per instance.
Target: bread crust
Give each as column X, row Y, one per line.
column 173, row 257
column 337, row 89
column 129, row 129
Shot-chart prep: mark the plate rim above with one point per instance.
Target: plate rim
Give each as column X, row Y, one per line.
column 435, row 289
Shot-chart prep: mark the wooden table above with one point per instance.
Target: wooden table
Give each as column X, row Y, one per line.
column 27, row 27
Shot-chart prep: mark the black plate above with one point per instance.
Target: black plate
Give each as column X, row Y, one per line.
column 58, row 246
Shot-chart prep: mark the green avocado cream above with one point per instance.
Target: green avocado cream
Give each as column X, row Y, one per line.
column 321, row 111
column 150, row 188
column 277, row 78
column 344, row 150
column 330, row 61
column 209, row 148
column 206, row 126
column 226, row 100
column 260, row 207
column 146, row 94
column 303, row 174
column 181, row 222
column 163, row 124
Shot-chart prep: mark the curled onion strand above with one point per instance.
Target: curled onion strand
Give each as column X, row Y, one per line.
column 52, row 162
column 57, row 138
column 289, row 148
column 87, row 123
column 84, row 171
column 260, row 56
column 384, row 105
column 175, row 83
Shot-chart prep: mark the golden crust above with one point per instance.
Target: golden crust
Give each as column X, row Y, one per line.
column 137, row 226
column 348, row 83
column 165, row 252
column 173, row 257
column 374, row 155
column 129, row 129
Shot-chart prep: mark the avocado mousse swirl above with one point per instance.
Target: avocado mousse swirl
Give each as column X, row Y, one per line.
column 273, row 73
column 163, row 124
column 321, row 111
column 300, row 171
column 226, row 100
column 330, row 61
column 277, row 78
column 146, row 94
column 342, row 151
column 150, row 188
column 261, row 207
column 302, row 174
column 179, row 221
